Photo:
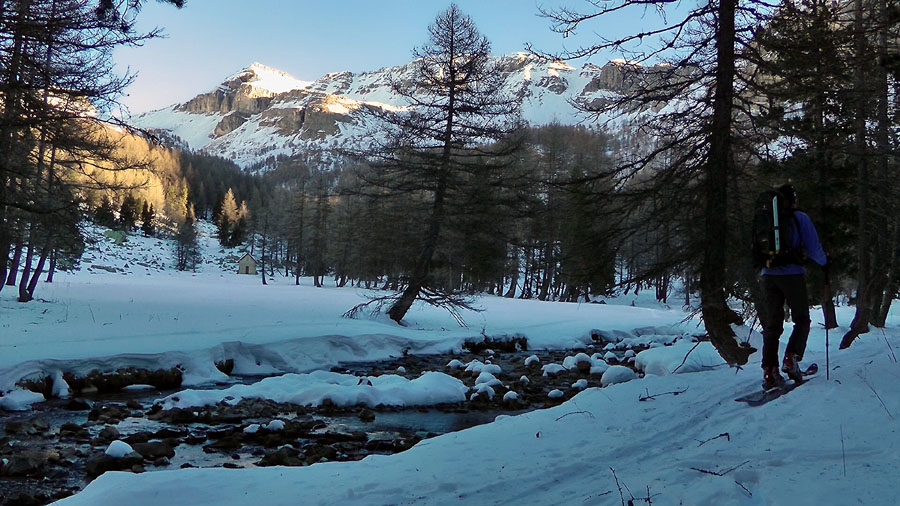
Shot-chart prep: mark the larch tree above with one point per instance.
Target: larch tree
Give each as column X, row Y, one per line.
column 427, row 152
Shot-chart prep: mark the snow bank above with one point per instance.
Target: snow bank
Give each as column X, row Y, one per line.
column 19, row 400
column 341, row 389
column 682, row 357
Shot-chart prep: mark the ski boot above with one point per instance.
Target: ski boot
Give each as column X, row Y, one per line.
column 771, row 378
column 791, row 367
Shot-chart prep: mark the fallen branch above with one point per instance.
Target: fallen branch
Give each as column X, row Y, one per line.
column 576, row 413
column 686, row 357
column 724, row 434
column 618, row 486
column 723, row 473
column 649, row 397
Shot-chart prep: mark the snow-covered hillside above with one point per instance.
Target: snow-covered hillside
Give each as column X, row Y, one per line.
column 261, row 112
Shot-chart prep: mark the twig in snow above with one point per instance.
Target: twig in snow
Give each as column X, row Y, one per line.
column 716, row 473
column 743, row 487
column 889, row 345
column 649, row 397
column 686, row 357
column 588, row 413
column 843, row 454
column 724, row 434
column 92, row 313
column 618, row 486
column 872, row 388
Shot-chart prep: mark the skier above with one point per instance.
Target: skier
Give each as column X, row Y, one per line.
column 787, row 283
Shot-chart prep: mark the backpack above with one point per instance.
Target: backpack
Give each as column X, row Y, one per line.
column 773, row 225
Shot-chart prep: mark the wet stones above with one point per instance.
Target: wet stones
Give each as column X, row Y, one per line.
column 28, row 463
column 74, row 431
column 111, row 414
column 31, row 427
column 162, row 379
column 505, row 344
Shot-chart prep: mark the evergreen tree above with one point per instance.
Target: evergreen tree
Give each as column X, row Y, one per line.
column 187, row 250
column 129, row 212
column 147, row 217
column 227, row 220
column 105, row 213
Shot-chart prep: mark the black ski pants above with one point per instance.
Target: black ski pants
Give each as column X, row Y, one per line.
column 776, row 291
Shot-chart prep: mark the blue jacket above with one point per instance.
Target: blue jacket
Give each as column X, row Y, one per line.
column 808, row 242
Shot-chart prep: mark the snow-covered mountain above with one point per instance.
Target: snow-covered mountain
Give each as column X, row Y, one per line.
column 262, row 112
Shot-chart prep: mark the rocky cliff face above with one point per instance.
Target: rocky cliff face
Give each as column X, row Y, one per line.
column 259, row 111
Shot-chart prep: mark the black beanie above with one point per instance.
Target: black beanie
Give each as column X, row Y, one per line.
column 789, row 193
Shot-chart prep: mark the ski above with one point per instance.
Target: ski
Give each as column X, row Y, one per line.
column 763, row 396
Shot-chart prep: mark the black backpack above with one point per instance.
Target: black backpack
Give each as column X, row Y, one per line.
column 773, row 225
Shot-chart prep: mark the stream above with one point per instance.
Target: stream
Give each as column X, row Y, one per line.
column 56, row 449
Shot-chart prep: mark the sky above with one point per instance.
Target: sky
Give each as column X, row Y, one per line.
column 208, row 40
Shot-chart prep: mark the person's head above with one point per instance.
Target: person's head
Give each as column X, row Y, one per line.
column 790, row 194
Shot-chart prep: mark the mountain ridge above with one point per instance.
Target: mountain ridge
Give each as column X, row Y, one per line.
column 262, row 112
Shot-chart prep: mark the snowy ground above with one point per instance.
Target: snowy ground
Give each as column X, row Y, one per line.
column 830, row 442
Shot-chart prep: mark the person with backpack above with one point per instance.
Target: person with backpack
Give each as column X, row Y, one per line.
column 790, row 239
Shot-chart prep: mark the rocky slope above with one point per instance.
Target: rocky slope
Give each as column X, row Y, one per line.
column 261, row 112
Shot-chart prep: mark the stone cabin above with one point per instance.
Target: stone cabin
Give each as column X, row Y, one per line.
column 247, row 265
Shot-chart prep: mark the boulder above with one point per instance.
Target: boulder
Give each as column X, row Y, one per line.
column 154, row 450
column 284, row 456
column 366, row 415
column 108, row 434
column 101, row 463
column 79, row 404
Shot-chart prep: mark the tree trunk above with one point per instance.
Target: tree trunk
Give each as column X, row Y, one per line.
column 420, row 272
column 419, row 275
column 514, row 277
column 32, row 284
column 717, row 316
column 860, row 323
column 52, row 268
column 14, row 265
column 24, row 296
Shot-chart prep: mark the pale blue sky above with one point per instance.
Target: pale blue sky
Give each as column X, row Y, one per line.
column 210, row 39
